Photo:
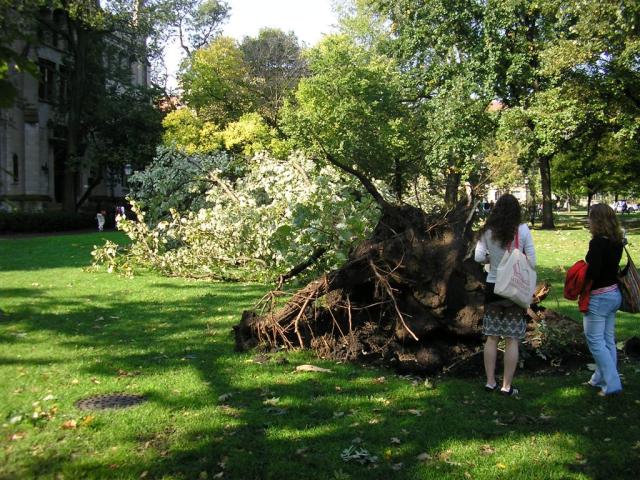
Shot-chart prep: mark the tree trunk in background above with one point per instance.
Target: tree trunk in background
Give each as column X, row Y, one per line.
column 451, row 192
column 397, row 180
column 547, row 201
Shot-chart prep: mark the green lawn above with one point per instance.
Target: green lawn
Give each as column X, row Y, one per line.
column 66, row 334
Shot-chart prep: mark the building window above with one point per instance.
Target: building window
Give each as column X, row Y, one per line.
column 16, row 175
column 63, row 84
column 46, row 86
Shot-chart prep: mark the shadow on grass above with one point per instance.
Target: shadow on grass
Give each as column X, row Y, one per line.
column 257, row 421
column 268, row 422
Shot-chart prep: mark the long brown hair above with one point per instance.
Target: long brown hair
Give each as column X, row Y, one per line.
column 504, row 219
column 603, row 222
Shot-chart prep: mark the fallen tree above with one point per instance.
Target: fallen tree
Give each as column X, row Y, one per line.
column 410, row 296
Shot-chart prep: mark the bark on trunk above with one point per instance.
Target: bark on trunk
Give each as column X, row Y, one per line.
column 547, row 201
column 452, row 186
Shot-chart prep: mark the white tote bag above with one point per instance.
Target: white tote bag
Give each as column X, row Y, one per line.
column 516, row 278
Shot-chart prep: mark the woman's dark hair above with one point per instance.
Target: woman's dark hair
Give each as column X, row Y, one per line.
column 603, row 222
column 504, row 219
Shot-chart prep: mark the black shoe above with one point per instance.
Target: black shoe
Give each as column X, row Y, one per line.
column 489, row 388
column 512, row 392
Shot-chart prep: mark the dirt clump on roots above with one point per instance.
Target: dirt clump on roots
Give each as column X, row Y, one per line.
column 411, row 297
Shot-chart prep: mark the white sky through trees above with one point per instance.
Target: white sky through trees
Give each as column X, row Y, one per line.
column 308, row 19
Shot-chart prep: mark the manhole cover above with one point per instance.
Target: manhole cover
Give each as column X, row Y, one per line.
column 112, row 400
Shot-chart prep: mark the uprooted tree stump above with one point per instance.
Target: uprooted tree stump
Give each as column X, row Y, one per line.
column 411, row 296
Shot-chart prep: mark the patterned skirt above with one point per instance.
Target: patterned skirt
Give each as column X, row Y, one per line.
column 502, row 317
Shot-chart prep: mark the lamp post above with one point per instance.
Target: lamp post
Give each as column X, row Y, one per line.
column 128, row 169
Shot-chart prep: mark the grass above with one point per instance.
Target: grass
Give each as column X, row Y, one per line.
column 66, row 334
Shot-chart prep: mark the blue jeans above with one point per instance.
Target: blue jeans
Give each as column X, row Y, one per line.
column 599, row 329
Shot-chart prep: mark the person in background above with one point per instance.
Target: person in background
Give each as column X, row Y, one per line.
column 603, row 258
column 502, row 318
column 100, row 217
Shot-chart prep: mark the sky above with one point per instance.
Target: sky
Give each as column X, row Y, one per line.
column 308, row 19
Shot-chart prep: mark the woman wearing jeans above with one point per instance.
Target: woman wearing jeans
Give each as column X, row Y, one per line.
column 603, row 257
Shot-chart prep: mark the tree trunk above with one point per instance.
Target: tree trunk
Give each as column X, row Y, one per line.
column 97, row 181
column 452, row 186
column 547, row 201
column 589, row 199
column 397, row 180
column 411, row 294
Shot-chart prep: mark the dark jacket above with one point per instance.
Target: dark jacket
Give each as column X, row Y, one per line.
column 603, row 258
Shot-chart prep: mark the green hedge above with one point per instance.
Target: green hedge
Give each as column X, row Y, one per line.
column 20, row 222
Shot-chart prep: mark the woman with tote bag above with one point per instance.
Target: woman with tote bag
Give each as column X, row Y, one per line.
column 502, row 318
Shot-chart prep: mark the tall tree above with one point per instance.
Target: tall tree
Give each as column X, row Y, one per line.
column 438, row 44
column 349, row 111
column 216, row 82
column 100, row 44
column 194, row 23
column 15, row 19
column 276, row 66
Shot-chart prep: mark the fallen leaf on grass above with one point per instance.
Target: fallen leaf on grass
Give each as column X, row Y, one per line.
column 95, row 380
column 312, row 368
column 144, row 474
column 70, row 425
column 413, row 411
column 224, row 397
column 379, row 380
column 424, row 457
column 487, row 449
column 15, row 419
column 86, row 421
column 395, row 440
column 501, row 466
column 397, row 466
column 18, row 436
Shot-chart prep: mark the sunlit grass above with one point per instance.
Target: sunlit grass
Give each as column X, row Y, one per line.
column 66, row 334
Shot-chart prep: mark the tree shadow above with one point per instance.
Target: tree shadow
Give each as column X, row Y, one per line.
column 209, row 409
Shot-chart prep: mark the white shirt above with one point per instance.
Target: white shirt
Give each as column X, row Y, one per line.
column 489, row 251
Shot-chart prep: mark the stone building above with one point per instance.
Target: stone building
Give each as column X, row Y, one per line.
column 33, row 140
